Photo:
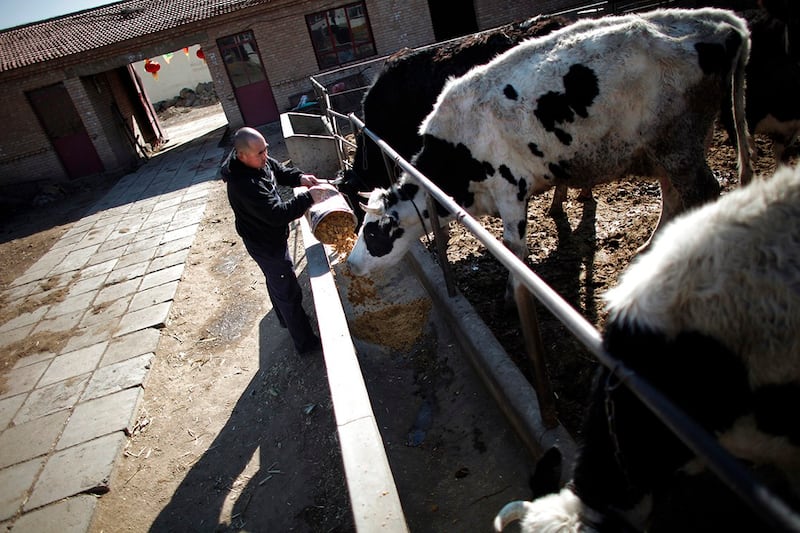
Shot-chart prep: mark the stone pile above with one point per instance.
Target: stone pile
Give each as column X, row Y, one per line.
column 202, row 95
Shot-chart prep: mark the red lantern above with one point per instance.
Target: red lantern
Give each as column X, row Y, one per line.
column 201, row 54
column 186, row 50
column 152, row 67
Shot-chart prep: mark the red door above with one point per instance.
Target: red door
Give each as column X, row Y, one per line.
column 64, row 127
column 250, row 84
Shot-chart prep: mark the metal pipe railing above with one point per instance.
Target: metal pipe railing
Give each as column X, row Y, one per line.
column 726, row 467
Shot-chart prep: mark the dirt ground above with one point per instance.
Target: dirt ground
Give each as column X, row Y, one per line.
column 268, row 460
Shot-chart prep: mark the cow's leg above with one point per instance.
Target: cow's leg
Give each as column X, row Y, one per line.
column 671, row 203
column 515, row 231
column 679, row 193
column 585, row 194
column 559, row 197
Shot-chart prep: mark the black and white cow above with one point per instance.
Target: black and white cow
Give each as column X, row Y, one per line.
column 773, row 76
column 582, row 105
column 405, row 91
column 709, row 315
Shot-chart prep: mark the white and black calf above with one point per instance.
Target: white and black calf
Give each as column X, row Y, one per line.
column 710, row 316
column 586, row 104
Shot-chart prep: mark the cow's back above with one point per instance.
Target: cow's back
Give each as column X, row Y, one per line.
column 591, row 101
column 405, row 90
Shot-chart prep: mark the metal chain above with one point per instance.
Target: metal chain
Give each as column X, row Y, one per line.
column 613, row 382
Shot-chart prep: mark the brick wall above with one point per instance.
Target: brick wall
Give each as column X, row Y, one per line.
column 26, row 155
column 286, row 50
column 493, row 13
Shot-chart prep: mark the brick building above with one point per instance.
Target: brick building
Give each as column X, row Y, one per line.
column 73, row 106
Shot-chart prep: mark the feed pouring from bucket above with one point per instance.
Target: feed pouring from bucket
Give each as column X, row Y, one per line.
column 334, row 223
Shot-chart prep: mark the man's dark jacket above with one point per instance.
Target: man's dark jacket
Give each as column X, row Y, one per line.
column 262, row 216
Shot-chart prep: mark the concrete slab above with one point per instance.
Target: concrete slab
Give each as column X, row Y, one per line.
column 73, row 515
column 25, row 319
column 171, row 200
column 161, row 217
column 154, row 295
column 57, row 397
column 127, row 273
column 63, row 322
column 113, row 291
column 174, row 246
column 117, row 242
column 72, row 364
column 146, row 242
column 180, row 233
column 83, row 337
column 119, row 376
column 70, row 240
column 83, row 468
column 99, row 233
column 160, row 277
column 75, row 259
column 132, row 345
column 8, row 408
column 87, row 284
column 19, row 292
column 23, row 379
column 13, row 336
column 33, row 358
column 45, row 264
column 98, row 269
column 16, row 482
column 112, row 254
column 136, row 257
column 71, row 304
column 101, row 416
column 153, row 316
column 62, row 279
column 106, row 313
column 187, row 217
column 166, row 261
column 24, row 442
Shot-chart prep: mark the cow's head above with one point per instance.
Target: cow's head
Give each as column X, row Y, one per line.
column 391, row 224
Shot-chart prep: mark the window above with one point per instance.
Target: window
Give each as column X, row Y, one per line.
column 241, row 59
column 341, row 35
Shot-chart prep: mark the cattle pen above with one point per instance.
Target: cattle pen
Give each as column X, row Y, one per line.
column 530, row 411
column 517, row 399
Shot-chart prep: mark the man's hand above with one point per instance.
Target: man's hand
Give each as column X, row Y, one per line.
column 309, row 180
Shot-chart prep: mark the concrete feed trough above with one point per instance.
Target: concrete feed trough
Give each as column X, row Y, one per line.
column 310, row 143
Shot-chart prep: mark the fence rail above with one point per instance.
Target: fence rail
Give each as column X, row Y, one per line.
column 769, row 507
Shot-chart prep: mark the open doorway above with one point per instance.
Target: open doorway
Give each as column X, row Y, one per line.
column 181, row 89
column 452, row 18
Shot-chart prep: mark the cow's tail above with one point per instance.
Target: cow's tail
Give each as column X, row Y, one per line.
column 744, row 156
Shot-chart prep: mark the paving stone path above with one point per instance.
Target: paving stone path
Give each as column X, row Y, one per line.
column 104, row 290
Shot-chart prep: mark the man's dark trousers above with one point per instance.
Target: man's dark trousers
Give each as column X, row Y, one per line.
column 284, row 292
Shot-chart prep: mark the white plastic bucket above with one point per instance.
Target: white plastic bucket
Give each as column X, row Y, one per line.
column 332, row 220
